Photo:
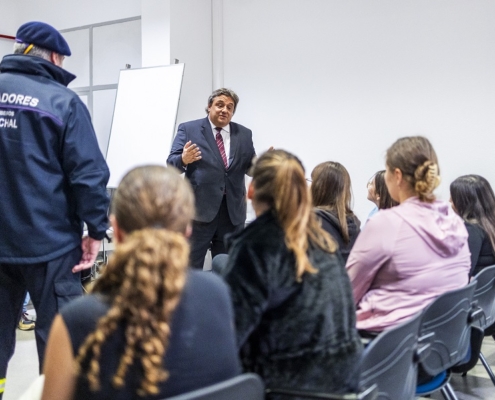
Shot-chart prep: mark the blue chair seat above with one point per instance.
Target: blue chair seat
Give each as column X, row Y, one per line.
column 433, row 385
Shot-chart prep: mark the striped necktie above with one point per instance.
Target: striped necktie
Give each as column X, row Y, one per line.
column 221, row 147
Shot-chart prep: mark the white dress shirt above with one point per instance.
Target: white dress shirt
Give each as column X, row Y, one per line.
column 225, row 132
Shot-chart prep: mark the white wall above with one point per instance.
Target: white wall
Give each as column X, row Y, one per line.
column 191, row 43
column 181, row 29
column 341, row 80
column 155, row 32
column 69, row 13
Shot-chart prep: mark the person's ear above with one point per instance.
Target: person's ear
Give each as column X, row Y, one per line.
column 56, row 59
column 118, row 234
column 398, row 176
column 250, row 192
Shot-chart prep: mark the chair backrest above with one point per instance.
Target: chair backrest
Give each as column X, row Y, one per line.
column 484, row 295
column 448, row 318
column 390, row 361
column 242, row 387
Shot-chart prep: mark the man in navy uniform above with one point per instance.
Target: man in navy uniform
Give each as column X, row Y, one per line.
column 53, row 179
column 215, row 155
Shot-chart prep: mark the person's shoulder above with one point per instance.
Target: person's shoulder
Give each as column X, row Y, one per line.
column 193, row 123
column 90, row 305
column 205, row 284
column 474, row 230
column 264, row 230
column 240, row 128
column 385, row 216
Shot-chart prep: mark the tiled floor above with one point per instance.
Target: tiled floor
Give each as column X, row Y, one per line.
column 23, row 369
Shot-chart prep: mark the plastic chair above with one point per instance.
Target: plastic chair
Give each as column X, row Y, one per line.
column 446, row 323
column 242, row 387
column 388, row 367
column 484, row 297
column 391, row 361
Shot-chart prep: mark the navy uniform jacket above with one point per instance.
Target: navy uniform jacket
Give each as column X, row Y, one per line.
column 52, row 174
column 208, row 176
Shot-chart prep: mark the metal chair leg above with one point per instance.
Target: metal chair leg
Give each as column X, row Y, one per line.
column 487, row 367
column 448, row 393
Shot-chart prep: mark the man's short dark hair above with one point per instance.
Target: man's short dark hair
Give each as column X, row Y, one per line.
column 223, row 92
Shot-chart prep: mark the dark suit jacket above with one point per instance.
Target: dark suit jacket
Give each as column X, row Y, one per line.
column 208, row 176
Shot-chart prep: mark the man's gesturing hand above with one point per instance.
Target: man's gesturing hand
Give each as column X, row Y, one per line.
column 190, row 153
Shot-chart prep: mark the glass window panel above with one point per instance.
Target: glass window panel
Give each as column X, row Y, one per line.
column 84, row 98
column 103, row 105
column 78, row 62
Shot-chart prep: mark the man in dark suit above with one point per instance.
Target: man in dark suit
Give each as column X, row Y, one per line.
column 215, row 154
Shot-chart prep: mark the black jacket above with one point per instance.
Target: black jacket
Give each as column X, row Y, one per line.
column 330, row 223
column 294, row 334
column 52, row 174
column 208, row 176
column 482, row 254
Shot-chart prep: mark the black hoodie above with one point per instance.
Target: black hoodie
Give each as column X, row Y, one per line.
column 330, row 223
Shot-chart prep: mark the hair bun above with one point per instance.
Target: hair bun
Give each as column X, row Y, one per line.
column 427, row 179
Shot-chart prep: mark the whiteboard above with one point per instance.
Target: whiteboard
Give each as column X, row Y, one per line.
column 144, row 118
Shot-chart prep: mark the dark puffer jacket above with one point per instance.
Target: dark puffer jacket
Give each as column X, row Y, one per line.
column 298, row 335
column 52, row 174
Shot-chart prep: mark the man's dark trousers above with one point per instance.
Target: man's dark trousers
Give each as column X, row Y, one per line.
column 211, row 234
column 51, row 285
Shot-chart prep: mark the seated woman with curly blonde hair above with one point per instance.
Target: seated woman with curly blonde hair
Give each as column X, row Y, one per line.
column 409, row 254
column 145, row 330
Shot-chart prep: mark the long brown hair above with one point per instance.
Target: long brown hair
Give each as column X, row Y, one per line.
column 279, row 181
column 145, row 276
column 417, row 160
column 474, row 200
column 331, row 190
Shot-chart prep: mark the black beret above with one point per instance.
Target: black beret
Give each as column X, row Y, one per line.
column 43, row 35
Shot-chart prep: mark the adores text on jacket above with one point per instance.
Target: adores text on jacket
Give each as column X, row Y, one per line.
column 19, row 99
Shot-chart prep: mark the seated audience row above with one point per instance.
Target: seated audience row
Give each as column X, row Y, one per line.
column 153, row 328
column 409, row 254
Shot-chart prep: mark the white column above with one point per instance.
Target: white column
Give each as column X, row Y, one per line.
column 217, row 42
column 155, row 31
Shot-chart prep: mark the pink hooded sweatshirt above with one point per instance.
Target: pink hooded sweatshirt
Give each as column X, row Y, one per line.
column 406, row 257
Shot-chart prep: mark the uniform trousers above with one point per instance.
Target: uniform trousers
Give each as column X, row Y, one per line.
column 211, row 235
column 51, row 285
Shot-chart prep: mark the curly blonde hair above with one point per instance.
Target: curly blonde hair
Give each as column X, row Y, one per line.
column 145, row 276
column 418, row 162
column 279, row 181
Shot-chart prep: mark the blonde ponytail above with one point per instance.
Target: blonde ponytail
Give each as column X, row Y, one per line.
column 279, row 181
